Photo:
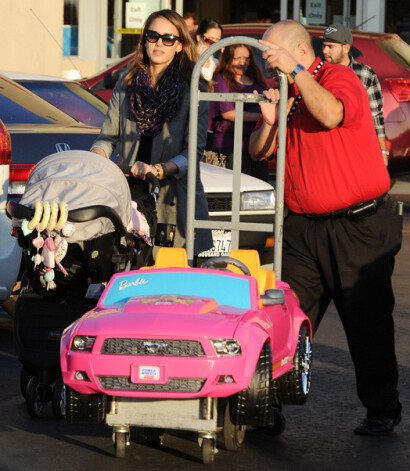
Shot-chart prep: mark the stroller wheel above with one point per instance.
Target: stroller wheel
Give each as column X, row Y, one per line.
column 33, row 399
column 58, row 400
column 25, row 377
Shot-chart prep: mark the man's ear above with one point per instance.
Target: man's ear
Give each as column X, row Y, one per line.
column 346, row 48
column 302, row 50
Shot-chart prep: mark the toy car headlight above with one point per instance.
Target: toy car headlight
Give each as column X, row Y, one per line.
column 226, row 347
column 82, row 343
column 257, row 200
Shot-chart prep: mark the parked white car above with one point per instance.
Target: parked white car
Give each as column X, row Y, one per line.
column 10, row 252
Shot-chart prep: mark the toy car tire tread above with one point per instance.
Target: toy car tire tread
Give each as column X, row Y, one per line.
column 293, row 387
column 252, row 406
column 84, row 408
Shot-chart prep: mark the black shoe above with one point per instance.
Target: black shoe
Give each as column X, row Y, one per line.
column 377, row 426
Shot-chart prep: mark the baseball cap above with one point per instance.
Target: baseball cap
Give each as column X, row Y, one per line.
column 338, row 33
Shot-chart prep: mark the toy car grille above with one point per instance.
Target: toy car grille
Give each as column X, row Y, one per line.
column 219, row 203
column 123, row 383
column 153, row 347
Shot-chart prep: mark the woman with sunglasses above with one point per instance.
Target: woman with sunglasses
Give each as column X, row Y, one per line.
column 149, row 116
column 209, row 32
column 237, row 71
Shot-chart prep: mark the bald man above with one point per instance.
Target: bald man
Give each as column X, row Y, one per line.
column 341, row 233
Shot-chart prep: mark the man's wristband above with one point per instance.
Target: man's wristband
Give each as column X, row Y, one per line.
column 160, row 171
column 296, row 70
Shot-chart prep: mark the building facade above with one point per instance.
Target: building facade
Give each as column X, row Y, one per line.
column 76, row 38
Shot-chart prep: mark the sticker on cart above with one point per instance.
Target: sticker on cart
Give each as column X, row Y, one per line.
column 149, row 373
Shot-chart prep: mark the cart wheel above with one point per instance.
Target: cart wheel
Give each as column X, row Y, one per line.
column 154, row 436
column 33, row 399
column 208, row 449
column 120, row 443
column 58, row 399
column 25, row 377
column 234, row 435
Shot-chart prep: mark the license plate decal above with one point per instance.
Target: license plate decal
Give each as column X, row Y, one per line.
column 222, row 244
column 149, row 373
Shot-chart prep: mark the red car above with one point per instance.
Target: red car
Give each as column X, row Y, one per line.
column 387, row 54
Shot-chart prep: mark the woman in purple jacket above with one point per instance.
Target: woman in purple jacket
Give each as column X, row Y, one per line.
column 237, row 71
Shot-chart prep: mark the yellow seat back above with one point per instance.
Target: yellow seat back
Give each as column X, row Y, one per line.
column 265, row 278
column 171, row 257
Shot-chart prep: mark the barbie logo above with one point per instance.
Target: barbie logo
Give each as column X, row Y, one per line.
column 124, row 284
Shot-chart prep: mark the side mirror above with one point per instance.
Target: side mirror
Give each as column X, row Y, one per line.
column 94, row 291
column 272, row 297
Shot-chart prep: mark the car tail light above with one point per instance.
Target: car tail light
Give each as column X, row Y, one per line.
column 400, row 88
column 19, row 174
column 5, row 145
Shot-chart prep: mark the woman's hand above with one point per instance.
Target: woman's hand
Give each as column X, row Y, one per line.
column 140, row 169
column 98, row 150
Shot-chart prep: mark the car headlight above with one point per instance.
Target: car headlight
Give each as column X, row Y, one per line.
column 257, row 200
column 227, row 347
column 82, row 343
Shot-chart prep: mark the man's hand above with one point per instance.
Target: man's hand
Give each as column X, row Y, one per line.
column 278, row 57
column 140, row 169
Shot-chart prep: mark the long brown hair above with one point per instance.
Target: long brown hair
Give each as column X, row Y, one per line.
column 224, row 68
column 186, row 59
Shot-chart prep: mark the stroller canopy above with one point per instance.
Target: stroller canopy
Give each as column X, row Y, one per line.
column 81, row 179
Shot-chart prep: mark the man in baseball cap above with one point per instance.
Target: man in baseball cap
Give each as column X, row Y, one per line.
column 337, row 40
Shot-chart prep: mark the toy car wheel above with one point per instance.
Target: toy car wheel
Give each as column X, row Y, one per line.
column 154, row 436
column 58, row 399
column 25, row 377
column 253, row 405
column 83, row 408
column 293, row 387
column 120, row 444
column 234, row 435
column 208, row 450
column 33, row 398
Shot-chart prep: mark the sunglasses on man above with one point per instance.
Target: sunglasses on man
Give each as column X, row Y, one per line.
column 167, row 39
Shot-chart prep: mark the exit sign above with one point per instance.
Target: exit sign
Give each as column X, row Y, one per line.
column 316, row 12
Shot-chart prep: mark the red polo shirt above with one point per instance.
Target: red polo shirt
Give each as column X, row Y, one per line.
column 331, row 169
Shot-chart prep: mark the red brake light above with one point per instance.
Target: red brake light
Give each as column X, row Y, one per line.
column 20, row 172
column 400, row 88
column 5, row 145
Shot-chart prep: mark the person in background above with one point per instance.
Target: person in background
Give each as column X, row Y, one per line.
column 148, row 115
column 263, row 15
column 191, row 20
column 337, row 41
column 237, row 72
column 209, row 32
column 342, row 233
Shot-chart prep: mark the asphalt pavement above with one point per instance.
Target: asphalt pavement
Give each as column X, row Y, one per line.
column 318, row 436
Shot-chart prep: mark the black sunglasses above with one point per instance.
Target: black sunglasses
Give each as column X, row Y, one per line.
column 167, row 39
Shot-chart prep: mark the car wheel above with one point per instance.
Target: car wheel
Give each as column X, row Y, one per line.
column 120, row 444
column 33, row 398
column 83, row 408
column 252, row 406
column 58, row 399
column 293, row 387
column 234, row 435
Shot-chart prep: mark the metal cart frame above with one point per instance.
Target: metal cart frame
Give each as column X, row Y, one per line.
column 235, row 225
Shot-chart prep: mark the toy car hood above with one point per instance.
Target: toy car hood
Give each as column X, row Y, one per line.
column 160, row 315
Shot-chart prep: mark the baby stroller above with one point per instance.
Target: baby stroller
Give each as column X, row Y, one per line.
column 78, row 226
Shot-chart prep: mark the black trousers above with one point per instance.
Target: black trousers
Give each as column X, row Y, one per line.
column 352, row 263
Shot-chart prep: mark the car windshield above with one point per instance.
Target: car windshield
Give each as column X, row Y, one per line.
column 72, row 98
column 18, row 105
column 226, row 290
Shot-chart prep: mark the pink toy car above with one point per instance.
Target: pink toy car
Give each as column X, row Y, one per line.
column 200, row 349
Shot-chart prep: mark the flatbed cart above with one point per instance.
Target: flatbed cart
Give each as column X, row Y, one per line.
column 175, row 347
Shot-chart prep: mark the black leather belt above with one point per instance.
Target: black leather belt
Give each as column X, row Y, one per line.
column 356, row 211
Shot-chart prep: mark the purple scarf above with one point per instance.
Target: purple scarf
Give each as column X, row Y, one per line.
column 152, row 107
